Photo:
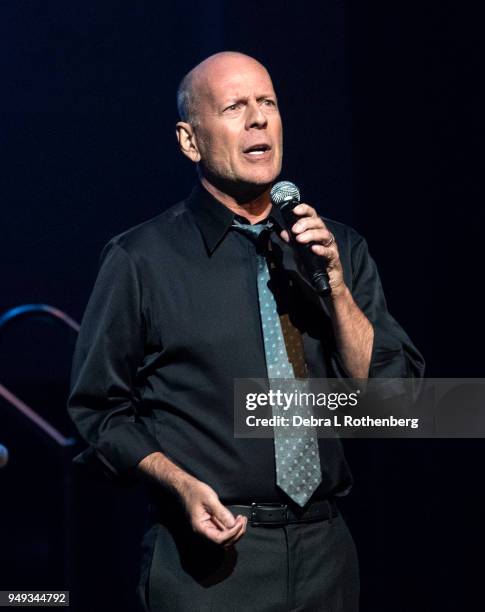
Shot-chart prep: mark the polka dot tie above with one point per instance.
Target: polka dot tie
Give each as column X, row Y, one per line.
column 298, row 471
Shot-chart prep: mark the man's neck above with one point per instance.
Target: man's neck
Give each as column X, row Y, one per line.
column 255, row 209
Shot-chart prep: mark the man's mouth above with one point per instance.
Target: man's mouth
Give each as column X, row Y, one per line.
column 257, row 150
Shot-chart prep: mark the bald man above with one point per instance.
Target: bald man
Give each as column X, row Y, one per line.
column 174, row 318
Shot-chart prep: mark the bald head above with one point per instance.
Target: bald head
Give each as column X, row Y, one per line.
column 197, row 82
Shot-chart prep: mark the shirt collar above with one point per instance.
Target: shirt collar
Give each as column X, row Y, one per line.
column 213, row 218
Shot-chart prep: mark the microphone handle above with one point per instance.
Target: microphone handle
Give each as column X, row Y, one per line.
column 313, row 263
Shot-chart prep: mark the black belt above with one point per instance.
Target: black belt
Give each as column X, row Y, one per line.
column 282, row 514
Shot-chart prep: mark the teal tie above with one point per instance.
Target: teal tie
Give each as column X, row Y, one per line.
column 298, row 471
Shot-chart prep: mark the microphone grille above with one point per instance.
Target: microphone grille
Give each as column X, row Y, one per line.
column 284, row 191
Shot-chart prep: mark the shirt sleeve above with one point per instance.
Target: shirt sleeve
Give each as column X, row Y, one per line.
column 393, row 353
column 110, row 348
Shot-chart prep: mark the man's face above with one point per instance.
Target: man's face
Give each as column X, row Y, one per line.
column 238, row 133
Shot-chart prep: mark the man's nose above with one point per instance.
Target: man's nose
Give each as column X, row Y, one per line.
column 255, row 116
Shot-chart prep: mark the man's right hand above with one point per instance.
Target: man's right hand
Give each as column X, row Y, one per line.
column 207, row 516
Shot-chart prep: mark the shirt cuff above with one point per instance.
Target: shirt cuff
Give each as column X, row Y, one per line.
column 387, row 358
column 119, row 451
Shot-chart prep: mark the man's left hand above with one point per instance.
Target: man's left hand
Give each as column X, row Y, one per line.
column 311, row 228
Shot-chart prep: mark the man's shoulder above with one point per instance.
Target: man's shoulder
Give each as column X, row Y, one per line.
column 154, row 232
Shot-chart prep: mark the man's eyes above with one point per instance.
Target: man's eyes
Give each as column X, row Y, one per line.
column 237, row 105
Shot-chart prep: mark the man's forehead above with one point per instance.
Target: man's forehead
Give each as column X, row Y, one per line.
column 226, row 77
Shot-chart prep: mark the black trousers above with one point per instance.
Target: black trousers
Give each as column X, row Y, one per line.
column 300, row 567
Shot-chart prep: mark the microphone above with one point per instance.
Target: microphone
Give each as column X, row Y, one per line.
column 285, row 196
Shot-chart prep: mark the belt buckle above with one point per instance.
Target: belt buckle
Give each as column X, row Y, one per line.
column 268, row 514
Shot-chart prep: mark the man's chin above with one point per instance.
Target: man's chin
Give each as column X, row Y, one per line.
column 248, row 189
column 257, row 180
column 244, row 187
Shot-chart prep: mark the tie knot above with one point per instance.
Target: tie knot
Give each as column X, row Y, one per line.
column 252, row 231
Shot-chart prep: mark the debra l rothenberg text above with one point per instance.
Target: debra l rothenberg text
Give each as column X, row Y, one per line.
column 335, row 421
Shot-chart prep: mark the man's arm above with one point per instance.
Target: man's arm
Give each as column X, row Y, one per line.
column 207, row 516
column 354, row 333
column 369, row 341
column 103, row 402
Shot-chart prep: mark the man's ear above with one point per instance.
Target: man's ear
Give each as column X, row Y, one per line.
column 187, row 141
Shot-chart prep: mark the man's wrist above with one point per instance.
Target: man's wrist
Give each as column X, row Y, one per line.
column 341, row 295
column 157, row 467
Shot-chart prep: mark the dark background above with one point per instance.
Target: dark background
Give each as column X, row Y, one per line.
column 382, row 105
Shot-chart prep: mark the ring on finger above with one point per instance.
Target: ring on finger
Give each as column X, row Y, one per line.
column 329, row 242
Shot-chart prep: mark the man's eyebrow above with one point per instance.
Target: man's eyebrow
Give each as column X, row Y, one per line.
column 235, row 99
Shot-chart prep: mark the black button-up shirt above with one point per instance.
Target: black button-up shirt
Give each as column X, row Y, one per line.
column 174, row 318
